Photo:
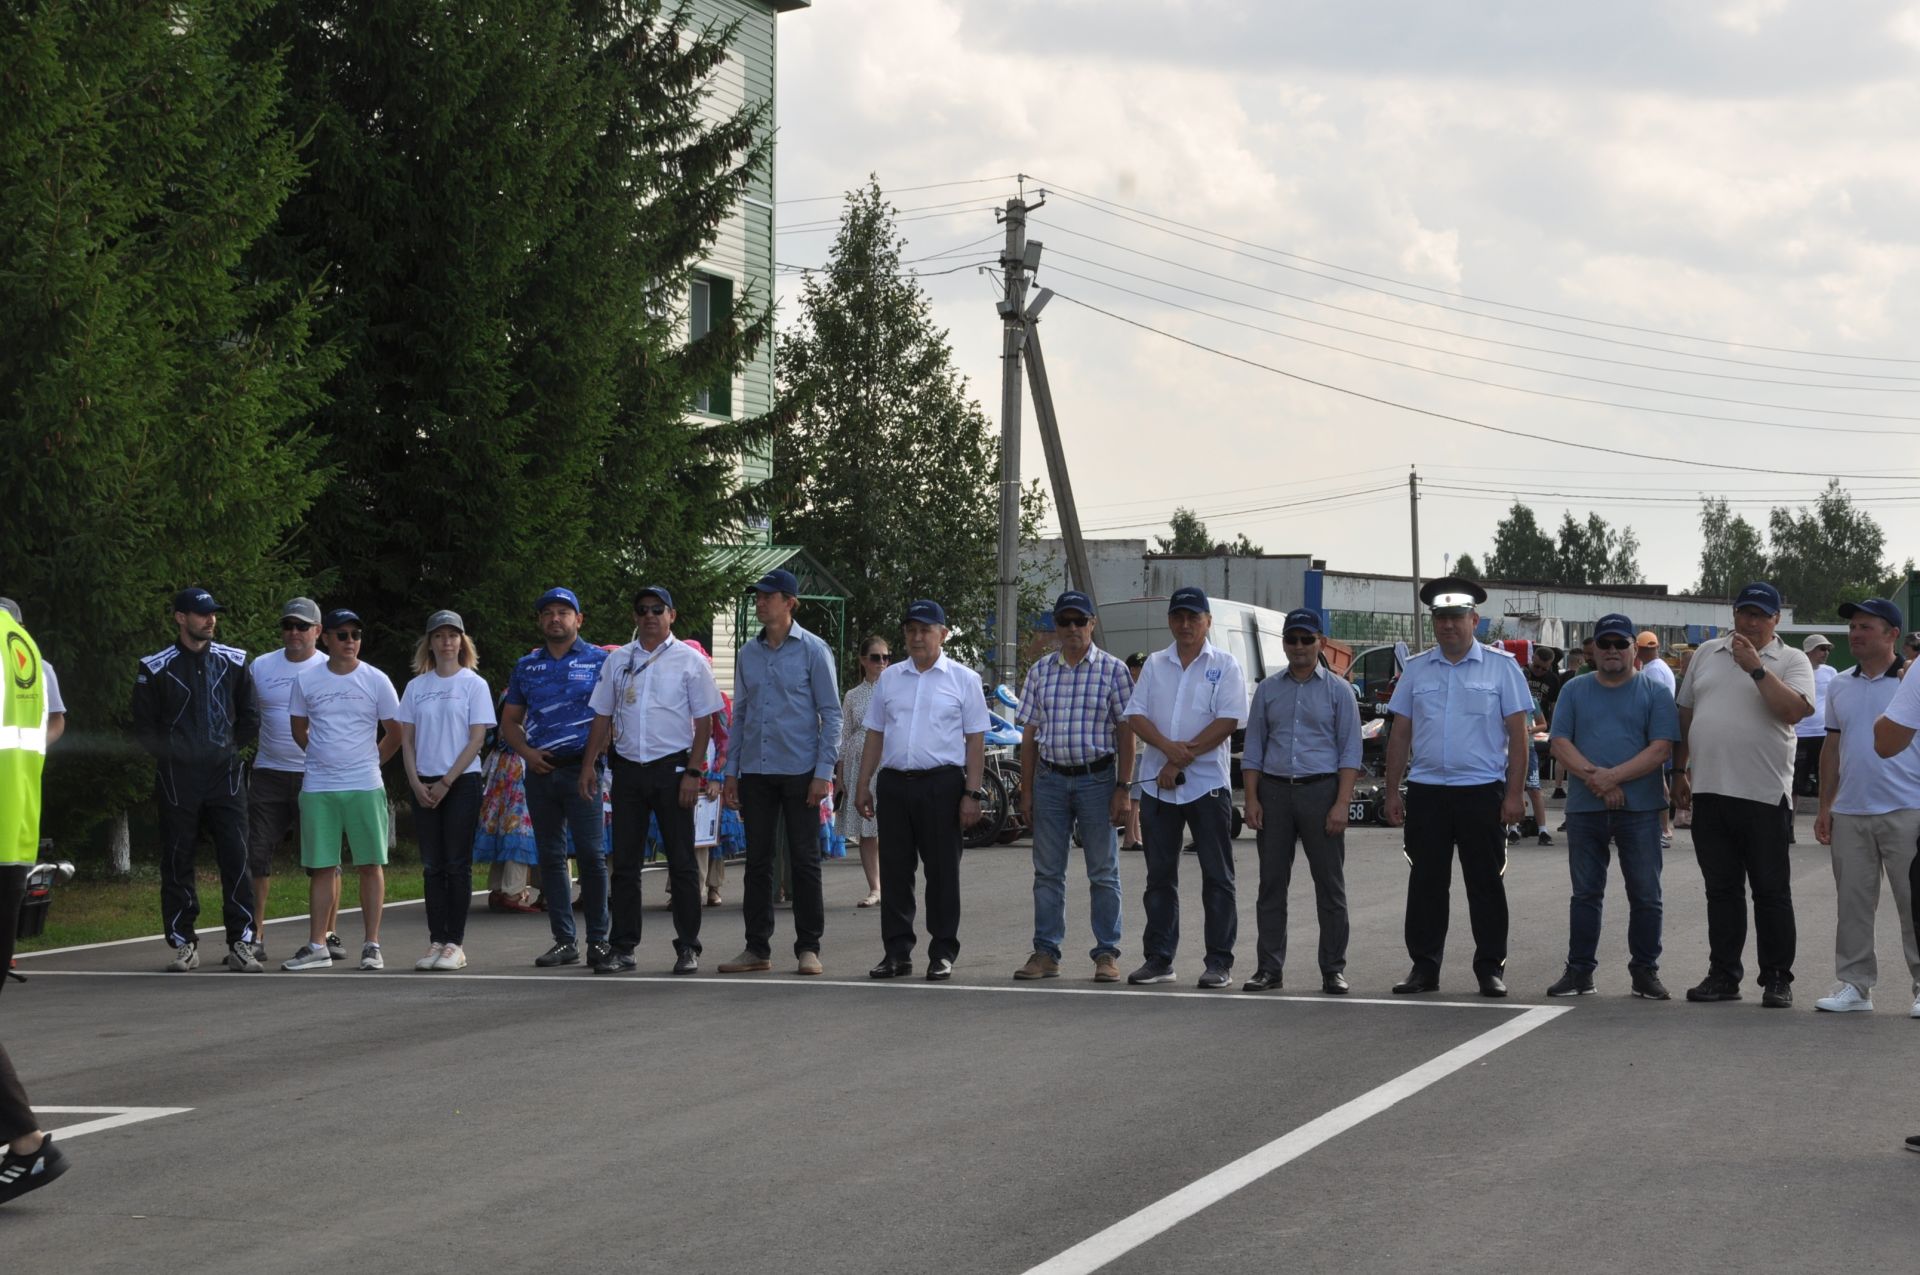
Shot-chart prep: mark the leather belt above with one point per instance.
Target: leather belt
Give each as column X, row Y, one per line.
column 1296, row 781
column 1097, row 764
column 671, row 759
column 569, row 759
column 923, row 774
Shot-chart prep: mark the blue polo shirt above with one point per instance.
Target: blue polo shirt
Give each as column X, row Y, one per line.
column 555, row 692
column 1459, row 714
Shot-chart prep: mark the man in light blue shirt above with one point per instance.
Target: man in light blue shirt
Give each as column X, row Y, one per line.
column 1460, row 714
column 1300, row 760
column 786, row 738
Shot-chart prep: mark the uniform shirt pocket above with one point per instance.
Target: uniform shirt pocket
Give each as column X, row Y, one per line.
column 1480, row 699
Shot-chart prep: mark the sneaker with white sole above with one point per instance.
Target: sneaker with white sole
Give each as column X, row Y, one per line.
column 451, row 958
column 185, row 957
column 1916, row 1007
column 311, row 956
column 432, row 958
column 1845, row 998
column 336, row 947
column 241, row 960
column 370, row 958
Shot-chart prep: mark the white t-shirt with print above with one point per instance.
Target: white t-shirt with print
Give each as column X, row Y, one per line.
column 443, row 711
column 273, row 675
column 343, row 712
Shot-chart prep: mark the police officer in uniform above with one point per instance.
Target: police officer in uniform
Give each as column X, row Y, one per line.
column 1459, row 715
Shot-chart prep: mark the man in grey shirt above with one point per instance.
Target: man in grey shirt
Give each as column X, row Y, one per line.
column 1301, row 757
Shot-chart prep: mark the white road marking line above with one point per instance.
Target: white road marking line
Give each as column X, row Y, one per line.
column 874, row 984
column 1131, row 1232
column 111, row 1118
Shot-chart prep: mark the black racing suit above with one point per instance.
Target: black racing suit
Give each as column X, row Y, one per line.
column 194, row 711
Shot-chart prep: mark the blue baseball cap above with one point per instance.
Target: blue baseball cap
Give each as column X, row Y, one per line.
column 1304, row 618
column 557, row 595
column 1073, row 600
column 658, row 591
column 1189, row 599
column 1613, row 624
column 778, row 580
column 925, row 611
column 1879, row 608
column 339, row 616
column 1760, row 595
column 196, row 601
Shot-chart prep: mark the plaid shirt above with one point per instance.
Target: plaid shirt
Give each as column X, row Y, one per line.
column 1075, row 708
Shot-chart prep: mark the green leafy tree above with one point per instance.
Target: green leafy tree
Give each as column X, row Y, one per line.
column 1189, row 534
column 889, row 470
column 1466, row 568
column 1521, row 550
column 1593, row 553
column 1731, row 551
column 1244, row 548
column 507, row 198
column 1826, row 555
column 150, row 382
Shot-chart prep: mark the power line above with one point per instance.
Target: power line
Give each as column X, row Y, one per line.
column 904, row 190
column 1094, row 202
column 791, row 271
column 1234, row 491
column 1428, row 412
column 815, row 228
column 834, row 221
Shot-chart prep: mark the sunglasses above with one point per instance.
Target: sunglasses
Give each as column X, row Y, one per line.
column 877, row 657
column 1612, row 644
column 655, row 609
column 294, row 626
column 1072, row 621
column 1298, row 639
column 346, row 635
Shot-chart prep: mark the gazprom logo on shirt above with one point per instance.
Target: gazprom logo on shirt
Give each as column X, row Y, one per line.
column 1213, row 675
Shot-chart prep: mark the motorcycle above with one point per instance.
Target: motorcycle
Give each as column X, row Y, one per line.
column 1000, row 820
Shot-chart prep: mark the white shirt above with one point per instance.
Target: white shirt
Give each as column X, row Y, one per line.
column 444, row 711
column 273, row 675
column 343, row 712
column 653, row 698
column 1657, row 670
column 1871, row 784
column 1814, row 725
column 927, row 716
column 1182, row 702
column 54, row 703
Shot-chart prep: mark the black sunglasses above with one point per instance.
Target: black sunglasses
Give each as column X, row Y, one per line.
column 1072, row 621
column 1612, row 644
column 655, row 609
column 877, row 657
column 294, row 626
column 346, row 635
column 1299, row 639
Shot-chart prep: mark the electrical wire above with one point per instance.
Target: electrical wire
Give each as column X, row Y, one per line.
column 789, row 272
column 817, row 227
column 905, row 190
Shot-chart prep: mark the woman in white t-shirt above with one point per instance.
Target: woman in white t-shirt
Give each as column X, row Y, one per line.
column 444, row 716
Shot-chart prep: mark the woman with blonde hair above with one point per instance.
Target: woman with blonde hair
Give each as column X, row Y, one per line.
column 444, row 715
column 875, row 655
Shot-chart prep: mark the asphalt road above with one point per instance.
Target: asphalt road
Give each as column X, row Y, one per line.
column 534, row 1120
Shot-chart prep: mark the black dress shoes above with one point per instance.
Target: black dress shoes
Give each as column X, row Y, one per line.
column 1415, row 981
column 890, row 968
column 1263, row 981
column 1492, row 985
column 1334, row 984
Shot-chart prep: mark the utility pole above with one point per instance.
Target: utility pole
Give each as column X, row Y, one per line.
column 1413, row 512
column 1017, row 260
column 1079, row 570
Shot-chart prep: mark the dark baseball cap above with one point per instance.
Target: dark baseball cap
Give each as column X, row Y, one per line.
column 654, row 590
column 1879, row 608
column 1613, row 624
column 1073, row 600
column 339, row 616
column 925, row 611
column 196, row 601
column 1192, row 598
column 1137, row 659
column 444, row 619
column 778, row 580
column 1303, row 618
column 1761, row 596
column 557, row 595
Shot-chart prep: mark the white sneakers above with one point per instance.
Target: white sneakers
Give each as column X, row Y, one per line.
column 1846, row 998
column 451, row 958
column 431, row 959
column 309, row 957
column 370, row 958
column 185, row 957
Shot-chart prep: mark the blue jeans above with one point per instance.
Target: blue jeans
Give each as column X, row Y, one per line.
column 1637, row 834
column 554, row 806
column 1059, row 803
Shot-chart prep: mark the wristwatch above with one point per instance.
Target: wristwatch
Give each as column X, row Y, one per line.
column 1759, row 674
column 978, row 794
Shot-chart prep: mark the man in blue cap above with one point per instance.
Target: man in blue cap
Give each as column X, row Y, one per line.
column 1299, row 764
column 780, row 757
column 193, row 711
column 546, row 718
column 1077, row 752
column 1189, row 700
column 1734, row 771
column 1613, row 733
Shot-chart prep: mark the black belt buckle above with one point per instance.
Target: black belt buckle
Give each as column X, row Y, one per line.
column 1097, row 764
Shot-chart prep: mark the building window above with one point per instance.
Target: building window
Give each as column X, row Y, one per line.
column 711, row 306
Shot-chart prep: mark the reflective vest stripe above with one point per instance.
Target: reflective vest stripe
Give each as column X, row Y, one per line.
column 32, row 739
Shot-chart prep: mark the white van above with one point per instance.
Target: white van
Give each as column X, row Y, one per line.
column 1250, row 633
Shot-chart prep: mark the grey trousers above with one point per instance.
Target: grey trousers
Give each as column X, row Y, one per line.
column 1291, row 813
column 1865, row 847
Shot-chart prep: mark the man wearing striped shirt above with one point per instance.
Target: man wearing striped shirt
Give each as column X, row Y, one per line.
column 1077, row 753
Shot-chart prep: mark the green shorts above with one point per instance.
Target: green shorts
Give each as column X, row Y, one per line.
column 326, row 817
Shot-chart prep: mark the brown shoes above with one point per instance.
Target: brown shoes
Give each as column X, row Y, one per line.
column 810, row 963
column 1106, row 969
column 746, row 963
column 1039, row 965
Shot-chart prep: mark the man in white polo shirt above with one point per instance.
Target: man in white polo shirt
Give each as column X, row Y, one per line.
column 1189, row 700
column 655, row 701
column 279, row 764
column 1869, row 806
column 1733, row 769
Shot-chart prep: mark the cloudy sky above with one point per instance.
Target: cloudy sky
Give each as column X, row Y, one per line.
column 1684, row 232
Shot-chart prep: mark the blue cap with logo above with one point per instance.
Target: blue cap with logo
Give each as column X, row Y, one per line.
column 196, row 601
column 340, row 616
column 1613, row 624
column 778, row 580
column 1191, row 598
column 557, row 595
column 657, row 591
column 1303, row 618
column 1879, row 608
column 1761, row 596
column 1073, row 600
column 925, row 611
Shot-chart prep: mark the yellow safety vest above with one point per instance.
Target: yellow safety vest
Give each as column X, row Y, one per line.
column 23, row 744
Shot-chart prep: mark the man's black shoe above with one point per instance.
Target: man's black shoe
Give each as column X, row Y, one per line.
column 1714, row 987
column 1334, row 984
column 891, row 968
column 939, row 970
column 1263, row 981
column 1647, row 985
column 600, row 958
column 558, row 954
column 1415, row 981
column 20, row 1174
column 1777, row 995
column 686, row 963
column 1913, row 1143
column 1492, row 985
column 1573, row 983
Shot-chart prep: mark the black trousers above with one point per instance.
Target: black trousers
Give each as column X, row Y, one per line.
column 445, row 833
column 1298, row 813
column 214, row 798
column 640, row 789
column 1806, row 765
column 767, row 802
column 1443, row 819
column 1740, row 843
column 16, row 1116
column 920, row 825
